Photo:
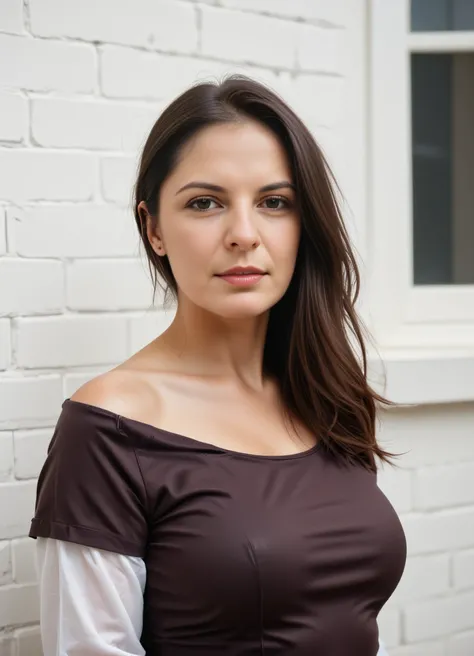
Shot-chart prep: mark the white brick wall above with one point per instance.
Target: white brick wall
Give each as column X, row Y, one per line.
column 30, row 452
column 29, row 400
column 5, row 562
column 31, row 286
column 3, row 232
column 117, row 177
column 127, row 73
column 36, row 175
column 70, row 340
column 90, row 124
column 171, row 26
column 80, row 85
column 435, row 599
column 81, row 230
column 53, row 62
column 5, row 344
column 123, row 285
column 14, row 117
column 11, row 16
column 6, row 456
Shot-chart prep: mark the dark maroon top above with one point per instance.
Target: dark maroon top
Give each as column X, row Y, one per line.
column 246, row 555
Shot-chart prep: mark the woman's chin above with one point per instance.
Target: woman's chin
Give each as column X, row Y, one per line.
column 242, row 308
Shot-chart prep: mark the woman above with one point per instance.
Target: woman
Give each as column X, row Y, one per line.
column 216, row 493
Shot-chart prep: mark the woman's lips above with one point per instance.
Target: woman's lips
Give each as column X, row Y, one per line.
column 242, row 279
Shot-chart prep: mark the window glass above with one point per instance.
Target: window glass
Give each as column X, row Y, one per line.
column 443, row 168
column 435, row 15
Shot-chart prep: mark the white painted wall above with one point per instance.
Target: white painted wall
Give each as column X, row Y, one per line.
column 80, row 85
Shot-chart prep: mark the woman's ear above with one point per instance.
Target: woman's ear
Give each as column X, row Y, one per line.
column 150, row 226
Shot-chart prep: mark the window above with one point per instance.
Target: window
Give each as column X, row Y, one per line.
column 442, row 15
column 422, row 172
column 442, row 105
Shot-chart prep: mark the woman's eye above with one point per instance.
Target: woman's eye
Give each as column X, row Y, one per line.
column 202, row 204
column 276, row 203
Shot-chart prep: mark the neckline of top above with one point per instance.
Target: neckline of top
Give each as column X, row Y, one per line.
column 191, row 440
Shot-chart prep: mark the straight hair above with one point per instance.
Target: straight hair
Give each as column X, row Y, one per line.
column 315, row 342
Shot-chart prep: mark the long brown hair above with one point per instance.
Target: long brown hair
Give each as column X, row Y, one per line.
column 314, row 346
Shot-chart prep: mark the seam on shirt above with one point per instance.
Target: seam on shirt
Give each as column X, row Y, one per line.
column 254, row 559
column 86, row 528
column 122, row 431
column 37, row 523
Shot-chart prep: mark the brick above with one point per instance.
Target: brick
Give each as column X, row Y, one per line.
column 317, row 99
column 5, row 344
column 7, row 644
column 91, row 124
column 437, row 618
column 320, row 49
column 53, row 63
column 137, row 74
column 72, row 231
column 13, row 117
column 11, row 16
column 29, row 641
column 3, row 232
column 396, row 484
column 5, row 563
column 69, row 341
column 6, row 456
column 223, row 31
column 118, row 175
column 25, row 399
column 24, row 561
column 30, row 448
column 164, row 25
column 31, row 287
column 462, row 644
column 129, row 73
column 420, row 649
column 389, row 623
column 334, row 12
column 108, row 285
column 439, row 531
column 17, row 503
column 29, row 175
column 148, row 326
column 19, row 604
column 424, row 577
column 442, row 487
column 420, row 434
column 463, row 569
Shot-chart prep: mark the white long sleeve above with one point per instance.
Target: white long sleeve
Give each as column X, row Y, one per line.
column 92, row 601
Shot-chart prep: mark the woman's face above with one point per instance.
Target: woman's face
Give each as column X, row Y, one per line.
column 229, row 202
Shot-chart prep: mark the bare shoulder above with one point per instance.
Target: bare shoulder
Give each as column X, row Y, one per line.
column 121, row 391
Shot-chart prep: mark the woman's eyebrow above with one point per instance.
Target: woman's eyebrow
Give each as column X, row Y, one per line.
column 283, row 184
column 196, row 184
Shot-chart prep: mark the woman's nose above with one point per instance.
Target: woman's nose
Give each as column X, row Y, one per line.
column 242, row 232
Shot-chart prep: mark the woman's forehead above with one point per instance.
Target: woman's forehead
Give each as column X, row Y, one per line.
column 236, row 151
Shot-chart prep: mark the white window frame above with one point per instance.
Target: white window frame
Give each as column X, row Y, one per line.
column 438, row 318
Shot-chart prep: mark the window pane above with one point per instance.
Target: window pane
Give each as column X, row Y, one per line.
column 436, row 15
column 443, row 168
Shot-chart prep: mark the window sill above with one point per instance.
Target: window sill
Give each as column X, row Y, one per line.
column 424, row 377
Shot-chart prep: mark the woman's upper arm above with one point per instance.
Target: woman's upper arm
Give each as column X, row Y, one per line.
column 91, row 600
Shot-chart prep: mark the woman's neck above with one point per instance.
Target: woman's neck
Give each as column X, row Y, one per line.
column 231, row 349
